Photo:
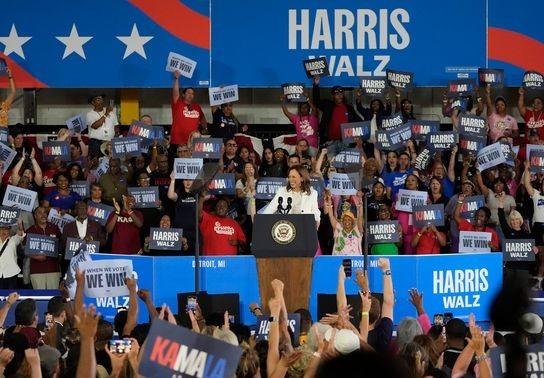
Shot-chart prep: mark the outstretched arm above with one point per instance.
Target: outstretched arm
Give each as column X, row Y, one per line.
column 175, row 87
column 388, row 295
column 12, row 89
column 527, row 179
column 521, row 102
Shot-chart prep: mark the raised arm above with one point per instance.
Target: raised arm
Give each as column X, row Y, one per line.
column 330, row 211
column 457, row 212
column 526, row 179
column 172, row 195
column 397, row 100
column 87, row 324
column 12, row 89
column 451, row 165
column 521, row 101
column 286, row 111
column 319, row 162
column 273, row 355
column 388, row 295
column 175, row 87
column 360, row 216
column 480, row 182
column 341, row 300
column 316, row 96
column 112, row 221
column 10, row 300
column 488, row 102
column 15, row 177
column 132, row 313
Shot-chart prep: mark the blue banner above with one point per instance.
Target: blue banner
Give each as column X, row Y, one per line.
column 357, row 38
column 461, row 284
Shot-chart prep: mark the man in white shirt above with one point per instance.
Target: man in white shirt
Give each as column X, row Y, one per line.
column 101, row 122
column 8, row 255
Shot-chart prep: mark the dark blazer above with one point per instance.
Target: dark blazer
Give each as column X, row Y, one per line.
column 94, row 229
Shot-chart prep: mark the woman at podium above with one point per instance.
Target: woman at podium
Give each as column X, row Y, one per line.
column 298, row 197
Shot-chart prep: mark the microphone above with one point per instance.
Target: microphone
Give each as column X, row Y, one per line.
column 280, row 205
column 289, row 202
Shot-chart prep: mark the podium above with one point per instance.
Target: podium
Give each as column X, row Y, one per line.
column 284, row 245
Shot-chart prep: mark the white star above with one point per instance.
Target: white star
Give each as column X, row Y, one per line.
column 135, row 43
column 74, row 43
column 14, row 43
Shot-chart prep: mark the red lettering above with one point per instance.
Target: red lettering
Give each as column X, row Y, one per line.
column 419, row 215
column 164, row 357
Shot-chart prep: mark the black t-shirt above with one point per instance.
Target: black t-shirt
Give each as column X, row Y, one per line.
column 380, row 337
column 374, row 205
column 184, row 218
column 238, row 163
column 162, row 180
column 223, row 126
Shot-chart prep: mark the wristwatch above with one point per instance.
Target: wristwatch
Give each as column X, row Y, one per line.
column 387, row 272
column 273, row 319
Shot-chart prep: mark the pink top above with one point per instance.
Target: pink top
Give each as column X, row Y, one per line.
column 307, row 127
column 498, row 124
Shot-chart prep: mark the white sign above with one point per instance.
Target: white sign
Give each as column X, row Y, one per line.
column 341, row 184
column 407, row 199
column 22, row 199
column 59, row 220
column 223, row 95
column 77, row 124
column 7, row 154
column 184, row 65
column 187, row 168
column 490, row 156
column 474, row 242
column 106, row 278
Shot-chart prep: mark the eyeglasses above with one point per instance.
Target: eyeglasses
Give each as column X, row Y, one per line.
column 338, row 91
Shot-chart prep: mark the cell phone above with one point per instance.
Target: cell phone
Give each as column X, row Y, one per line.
column 122, row 308
column 48, row 319
column 231, row 319
column 120, row 346
column 347, row 267
column 438, row 319
column 191, row 303
column 447, row 317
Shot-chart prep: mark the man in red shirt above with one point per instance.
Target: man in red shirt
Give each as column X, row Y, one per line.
column 221, row 235
column 44, row 270
column 124, row 225
column 186, row 114
column 481, row 218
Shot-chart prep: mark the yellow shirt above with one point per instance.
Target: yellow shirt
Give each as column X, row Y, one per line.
column 4, row 118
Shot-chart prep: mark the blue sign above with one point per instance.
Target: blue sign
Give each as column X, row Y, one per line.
column 358, row 39
column 451, row 283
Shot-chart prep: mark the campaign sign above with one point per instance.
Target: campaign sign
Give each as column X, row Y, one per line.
column 355, row 180
column 518, row 249
column 19, row 198
column 187, row 168
column 460, row 103
column 7, row 154
column 382, row 140
column 3, row 67
column 422, row 128
column 428, row 214
column 316, row 67
column 294, row 92
column 470, row 205
column 8, row 216
column 474, row 242
column 168, row 239
column 125, row 147
column 353, row 130
column 77, row 123
column 400, row 135
column 471, row 125
column 74, row 246
column 463, row 87
column 99, row 212
column 341, row 184
column 383, row 232
column 263, row 327
column 508, row 153
column 442, row 141
column 53, row 150
column 141, row 130
column 106, row 278
column 318, row 185
column 173, row 351
column 222, row 184
column 407, row 199
column 267, row 186
column 41, row 245
column 536, row 161
column 223, row 95
column 533, row 80
column 207, row 148
column 392, row 122
column 347, row 158
column 534, row 355
column 81, row 188
column 533, row 147
column 145, row 197
column 103, row 167
column 184, row 65
column 490, row 156
column 424, row 158
column 59, row 220
column 373, row 86
column 491, row 76
column 399, row 79
column 470, row 145
column 4, row 131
